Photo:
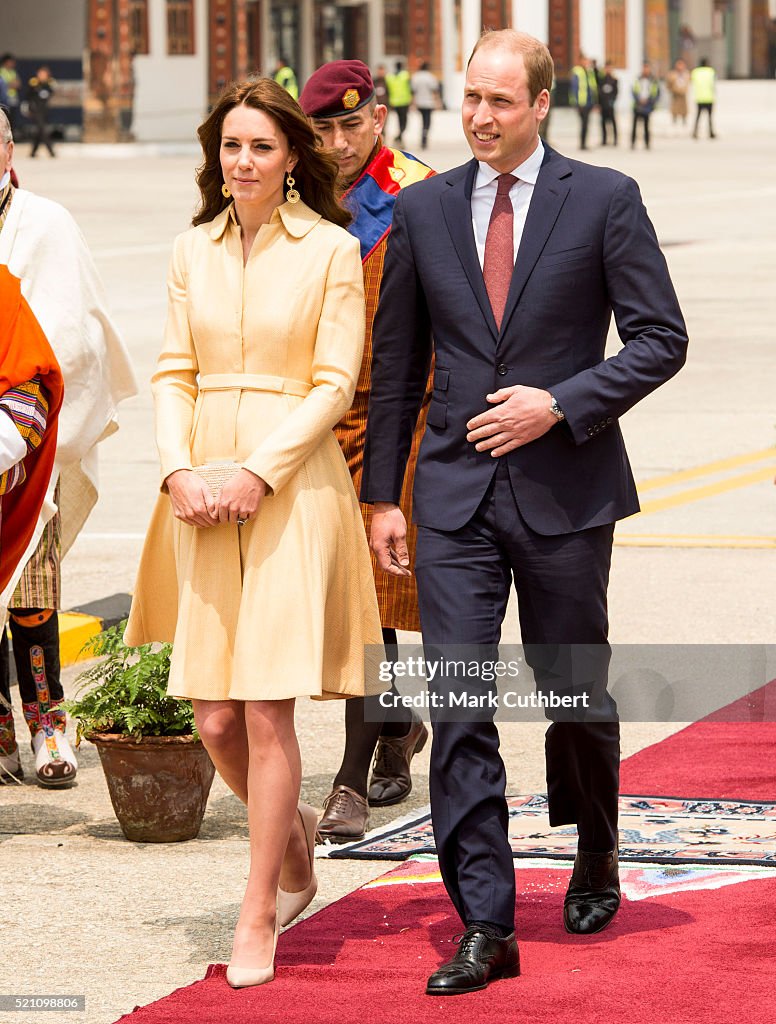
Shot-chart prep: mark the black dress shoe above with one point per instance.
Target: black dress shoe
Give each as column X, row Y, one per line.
column 391, row 781
column 593, row 895
column 480, row 959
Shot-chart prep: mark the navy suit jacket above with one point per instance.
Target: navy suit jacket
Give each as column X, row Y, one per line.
column 588, row 249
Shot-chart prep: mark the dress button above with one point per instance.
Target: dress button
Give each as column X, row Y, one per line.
column 610, row 420
column 590, row 431
column 502, row 370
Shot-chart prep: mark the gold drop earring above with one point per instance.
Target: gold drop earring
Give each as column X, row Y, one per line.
column 292, row 196
column 225, row 191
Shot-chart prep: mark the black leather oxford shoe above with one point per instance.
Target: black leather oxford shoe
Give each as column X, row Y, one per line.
column 480, row 959
column 593, row 895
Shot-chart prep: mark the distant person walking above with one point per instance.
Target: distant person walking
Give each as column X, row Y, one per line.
column 646, row 93
column 40, row 90
column 400, row 96
column 704, row 87
column 584, row 94
column 608, row 90
column 425, row 92
column 678, row 84
column 381, row 88
column 284, row 75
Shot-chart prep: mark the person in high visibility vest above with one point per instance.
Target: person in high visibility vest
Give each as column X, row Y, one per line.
column 646, row 93
column 583, row 94
column 284, row 75
column 400, row 96
column 704, row 87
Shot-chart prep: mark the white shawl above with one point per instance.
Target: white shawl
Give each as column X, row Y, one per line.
column 42, row 245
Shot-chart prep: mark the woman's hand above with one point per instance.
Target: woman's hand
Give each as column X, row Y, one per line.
column 239, row 500
column 191, row 499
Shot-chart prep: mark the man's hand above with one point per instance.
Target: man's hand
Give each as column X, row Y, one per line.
column 191, row 499
column 520, row 415
column 389, row 539
column 240, row 497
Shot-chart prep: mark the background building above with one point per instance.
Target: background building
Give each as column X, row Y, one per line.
column 148, row 69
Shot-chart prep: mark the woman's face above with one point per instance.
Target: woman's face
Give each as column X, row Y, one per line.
column 255, row 157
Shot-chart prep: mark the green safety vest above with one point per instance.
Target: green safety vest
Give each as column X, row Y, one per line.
column 9, row 75
column 703, row 80
column 285, row 76
column 399, row 89
column 586, row 83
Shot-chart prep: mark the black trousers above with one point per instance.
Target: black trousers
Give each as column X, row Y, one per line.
column 42, row 136
column 401, row 113
column 608, row 120
column 464, row 578
column 640, row 116
column 584, row 119
column 708, row 109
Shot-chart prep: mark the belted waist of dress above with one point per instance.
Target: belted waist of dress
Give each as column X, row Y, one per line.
column 254, row 382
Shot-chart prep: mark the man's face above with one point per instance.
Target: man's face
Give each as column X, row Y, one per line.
column 351, row 137
column 500, row 124
column 6, row 157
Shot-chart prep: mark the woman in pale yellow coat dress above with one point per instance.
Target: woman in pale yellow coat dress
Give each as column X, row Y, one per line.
column 266, row 590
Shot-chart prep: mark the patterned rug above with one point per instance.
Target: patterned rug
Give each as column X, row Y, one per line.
column 657, row 829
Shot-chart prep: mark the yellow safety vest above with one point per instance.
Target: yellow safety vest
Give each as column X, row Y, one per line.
column 703, row 80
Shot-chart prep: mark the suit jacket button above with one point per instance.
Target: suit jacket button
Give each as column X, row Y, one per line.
column 590, row 431
column 502, row 369
column 610, row 420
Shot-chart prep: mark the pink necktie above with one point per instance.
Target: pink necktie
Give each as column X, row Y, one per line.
column 499, row 259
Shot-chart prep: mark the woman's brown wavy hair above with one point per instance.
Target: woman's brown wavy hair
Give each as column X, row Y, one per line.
column 315, row 173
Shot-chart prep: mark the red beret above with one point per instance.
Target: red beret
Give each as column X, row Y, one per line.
column 337, row 88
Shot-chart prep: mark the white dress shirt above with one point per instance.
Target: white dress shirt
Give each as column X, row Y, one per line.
column 484, row 196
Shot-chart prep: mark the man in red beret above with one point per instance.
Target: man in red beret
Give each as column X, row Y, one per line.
column 340, row 100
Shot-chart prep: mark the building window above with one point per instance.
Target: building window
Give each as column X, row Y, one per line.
column 138, row 26
column 180, row 26
column 395, row 21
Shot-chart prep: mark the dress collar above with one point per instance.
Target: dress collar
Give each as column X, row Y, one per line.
column 297, row 218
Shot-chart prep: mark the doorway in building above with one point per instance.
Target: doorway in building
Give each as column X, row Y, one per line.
column 341, row 32
column 284, row 28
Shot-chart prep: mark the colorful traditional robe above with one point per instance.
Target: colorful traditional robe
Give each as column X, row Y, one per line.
column 371, row 199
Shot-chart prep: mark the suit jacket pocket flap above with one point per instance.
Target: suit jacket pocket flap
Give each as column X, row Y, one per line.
column 564, row 255
column 437, row 413
column 441, row 378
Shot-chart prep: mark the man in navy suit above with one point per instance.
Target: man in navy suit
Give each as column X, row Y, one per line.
column 514, row 264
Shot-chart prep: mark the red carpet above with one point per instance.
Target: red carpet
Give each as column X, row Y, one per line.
column 683, row 958
column 728, row 756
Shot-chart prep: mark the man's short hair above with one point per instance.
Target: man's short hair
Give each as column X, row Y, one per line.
column 539, row 66
column 6, row 134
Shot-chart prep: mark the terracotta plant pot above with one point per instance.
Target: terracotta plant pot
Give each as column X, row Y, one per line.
column 158, row 785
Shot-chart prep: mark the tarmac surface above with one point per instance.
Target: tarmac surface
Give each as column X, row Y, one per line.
column 123, row 923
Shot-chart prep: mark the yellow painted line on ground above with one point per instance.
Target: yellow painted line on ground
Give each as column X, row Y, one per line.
column 719, row 466
column 681, row 540
column 74, row 630
column 707, row 491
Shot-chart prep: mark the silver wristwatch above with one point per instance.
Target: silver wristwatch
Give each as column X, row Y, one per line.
column 556, row 410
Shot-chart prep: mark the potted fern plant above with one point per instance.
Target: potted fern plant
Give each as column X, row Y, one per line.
column 158, row 772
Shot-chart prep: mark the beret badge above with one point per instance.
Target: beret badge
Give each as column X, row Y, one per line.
column 350, row 99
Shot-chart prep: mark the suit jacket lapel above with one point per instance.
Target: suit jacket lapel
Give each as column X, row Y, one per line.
column 552, row 187
column 457, row 209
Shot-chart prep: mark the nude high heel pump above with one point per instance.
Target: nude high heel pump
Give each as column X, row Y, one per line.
column 291, row 904
column 244, row 977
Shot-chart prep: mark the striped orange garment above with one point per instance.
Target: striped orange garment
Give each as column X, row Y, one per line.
column 396, row 595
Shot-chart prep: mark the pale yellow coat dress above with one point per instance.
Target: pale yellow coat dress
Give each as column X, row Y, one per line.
column 258, row 365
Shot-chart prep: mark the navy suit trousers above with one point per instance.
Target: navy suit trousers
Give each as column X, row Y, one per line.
column 464, row 578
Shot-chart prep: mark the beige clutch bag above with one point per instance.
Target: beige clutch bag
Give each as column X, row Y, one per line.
column 216, row 474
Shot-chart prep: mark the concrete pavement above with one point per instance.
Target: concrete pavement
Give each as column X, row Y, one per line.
column 88, row 912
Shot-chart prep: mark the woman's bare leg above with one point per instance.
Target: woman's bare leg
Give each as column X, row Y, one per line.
column 221, row 725
column 274, row 779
